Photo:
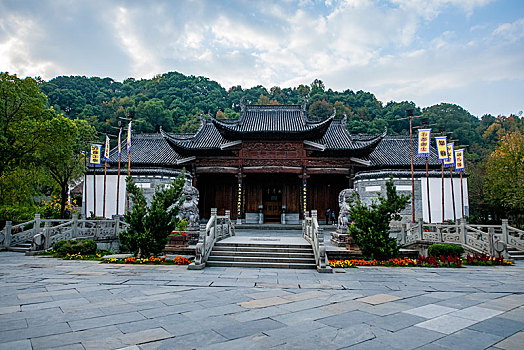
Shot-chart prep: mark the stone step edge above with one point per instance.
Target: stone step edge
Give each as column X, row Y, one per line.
column 263, row 245
column 259, row 259
column 262, row 249
column 261, row 254
column 259, row 265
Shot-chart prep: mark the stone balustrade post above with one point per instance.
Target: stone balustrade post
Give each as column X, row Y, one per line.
column 403, row 233
column 116, row 219
column 46, row 235
column 420, row 227
column 8, row 233
column 74, row 225
column 36, row 226
column 505, row 233
column 463, row 232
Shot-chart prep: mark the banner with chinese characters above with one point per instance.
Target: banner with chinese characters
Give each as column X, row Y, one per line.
column 94, row 158
column 304, row 197
column 424, row 137
column 106, row 149
column 119, row 142
column 459, row 160
column 239, row 199
column 442, row 148
column 450, row 161
column 129, row 137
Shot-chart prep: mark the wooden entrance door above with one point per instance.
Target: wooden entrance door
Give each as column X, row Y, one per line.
column 272, row 202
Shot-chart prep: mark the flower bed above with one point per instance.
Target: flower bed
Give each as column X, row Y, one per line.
column 485, row 260
column 422, row 261
column 177, row 260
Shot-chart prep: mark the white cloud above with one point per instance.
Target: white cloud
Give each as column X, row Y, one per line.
column 15, row 55
column 144, row 61
column 511, row 31
column 391, row 47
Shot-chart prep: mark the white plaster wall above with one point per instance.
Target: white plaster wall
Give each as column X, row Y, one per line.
column 435, row 193
column 111, row 189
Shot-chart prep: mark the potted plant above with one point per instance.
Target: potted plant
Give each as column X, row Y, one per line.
column 178, row 237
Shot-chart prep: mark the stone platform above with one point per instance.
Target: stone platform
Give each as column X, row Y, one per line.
column 49, row 303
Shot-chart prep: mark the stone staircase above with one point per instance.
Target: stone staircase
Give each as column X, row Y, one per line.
column 515, row 254
column 20, row 247
column 262, row 253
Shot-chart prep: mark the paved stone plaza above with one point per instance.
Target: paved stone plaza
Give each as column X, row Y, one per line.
column 49, row 303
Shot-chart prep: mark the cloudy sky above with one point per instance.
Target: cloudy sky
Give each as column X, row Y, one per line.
column 469, row 52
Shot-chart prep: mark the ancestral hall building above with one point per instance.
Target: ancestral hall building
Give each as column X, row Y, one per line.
column 274, row 160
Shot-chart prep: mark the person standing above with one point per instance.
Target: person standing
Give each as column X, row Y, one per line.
column 333, row 217
column 328, row 214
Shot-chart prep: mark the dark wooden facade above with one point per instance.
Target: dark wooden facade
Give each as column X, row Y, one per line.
column 272, row 158
column 271, row 174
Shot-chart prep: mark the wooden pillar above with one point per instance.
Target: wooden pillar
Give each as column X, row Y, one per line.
column 304, row 192
column 239, row 196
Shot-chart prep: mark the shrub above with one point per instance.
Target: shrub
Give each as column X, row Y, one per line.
column 150, row 226
column 370, row 227
column 445, row 249
column 83, row 247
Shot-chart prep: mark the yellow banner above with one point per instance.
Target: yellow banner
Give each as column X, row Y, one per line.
column 424, row 137
column 119, row 142
column 450, row 161
column 442, row 148
column 106, row 149
column 459, row 160
column 94, row 158
column 129, row 137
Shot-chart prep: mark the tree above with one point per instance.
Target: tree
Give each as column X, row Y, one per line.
column 370, row 227
column 320, row 110
column 24, row 121
column 150, row 226
column 505, row 175
column 63, row 157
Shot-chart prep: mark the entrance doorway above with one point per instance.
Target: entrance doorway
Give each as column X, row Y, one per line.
column 272, row 203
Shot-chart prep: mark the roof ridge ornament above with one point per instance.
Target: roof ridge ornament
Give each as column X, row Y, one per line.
column 242, row 105
column 304, row 104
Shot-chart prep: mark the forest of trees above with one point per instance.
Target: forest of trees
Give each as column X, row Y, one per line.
column 175, row 102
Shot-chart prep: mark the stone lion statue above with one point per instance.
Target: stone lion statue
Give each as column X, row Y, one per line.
column 189, row 208
column 345, row 198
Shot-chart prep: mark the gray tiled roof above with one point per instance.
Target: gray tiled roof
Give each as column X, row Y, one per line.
column 146, row 149
column 206, row 138
column 337, row 137
column 395, row 151
column 272, row 121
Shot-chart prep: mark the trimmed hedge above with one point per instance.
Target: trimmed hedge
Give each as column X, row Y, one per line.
column 445, row 249
column 83, row 246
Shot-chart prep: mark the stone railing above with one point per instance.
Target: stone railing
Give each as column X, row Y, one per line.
column 489, row 239
column 216, row 229
column 43, row 233
column 315, row 236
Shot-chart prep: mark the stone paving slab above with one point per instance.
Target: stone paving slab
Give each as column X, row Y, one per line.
column 50, row 303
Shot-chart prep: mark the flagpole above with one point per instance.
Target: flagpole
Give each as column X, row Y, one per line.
column 94, row 191
column 131, row 115
column 462, row 195
column 443, row 216
column 118, row 186
column 427, row 189
column 452, row 193
column 409, row 115
column 425, row 125
column 105, row 179
column 118, row 177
